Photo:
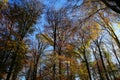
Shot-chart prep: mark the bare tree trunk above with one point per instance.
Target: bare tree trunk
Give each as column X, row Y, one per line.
column 34, row 72
column 101, row 57
column 71, row 75
column 60, row 73
column 114, row 78
column 87, row 64
column 11, row 67
column 28, row 74
column 101, row 77
column 114, row 51
column 67, row 71
column 54, row 47
column 14, row 77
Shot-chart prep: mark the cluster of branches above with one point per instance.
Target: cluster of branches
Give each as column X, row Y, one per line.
column 16, row 21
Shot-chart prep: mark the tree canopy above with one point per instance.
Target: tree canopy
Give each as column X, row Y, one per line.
column 59, row 40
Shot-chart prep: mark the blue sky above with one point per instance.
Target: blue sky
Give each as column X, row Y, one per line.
column 57, row 4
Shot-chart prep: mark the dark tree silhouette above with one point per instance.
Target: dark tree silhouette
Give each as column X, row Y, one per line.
column 112, row 4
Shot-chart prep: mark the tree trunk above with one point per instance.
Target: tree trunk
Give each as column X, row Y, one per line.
column 54, row 47
column 87, row 64
column 114, row 51
column 11, row 67
column 114, row 78
column 101, row 57
column 101, row 77
column 60, row 73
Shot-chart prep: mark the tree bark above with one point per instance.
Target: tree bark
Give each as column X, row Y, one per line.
column 101, row 57
column 11, row 67
column 87, row 64
column 101, row 77
column 54, row 47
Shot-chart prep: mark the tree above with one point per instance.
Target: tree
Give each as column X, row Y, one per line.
column 98, row 63
column 97, row 43
column 37, row 52
column 107, row 25
column 113, row 4
column 17, row 25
